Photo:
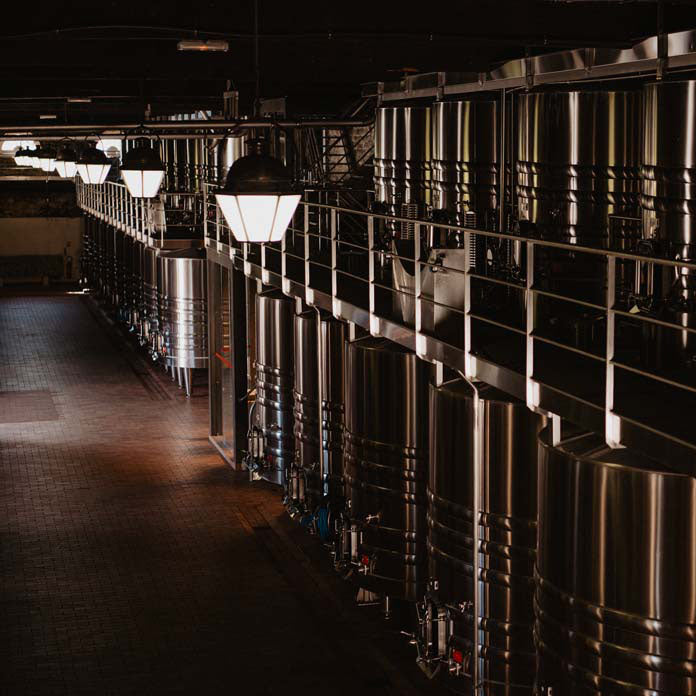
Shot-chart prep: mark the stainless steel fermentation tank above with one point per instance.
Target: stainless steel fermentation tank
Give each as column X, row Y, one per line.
column 305, row 480
column 118, row 268
column 507, row 529
column 183, row 311
column 273, row 446
column 438, row 162
column 402, row 162
column 386, row 466
column 465, row 162
column 149, row 330
column 318, row 413
column 616, row 587
column 136, row 281
column 578, row 159
column 578, row 182
column 668, row 203
column 402, row 183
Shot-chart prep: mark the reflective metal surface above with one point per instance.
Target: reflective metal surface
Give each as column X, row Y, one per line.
column 616, row 587
column 137, row 260
column 332, row 342
column 464, row 161
column 402, row 181
column 183, row 308
column 128, row 274
column 319, row 353
column 668, row 204
column 118, row 267
column 274, row 382
column 508, row 528
column 578, row 158
column 402, row 160
column 149, row 312
column 386, row 464
column 307, row 488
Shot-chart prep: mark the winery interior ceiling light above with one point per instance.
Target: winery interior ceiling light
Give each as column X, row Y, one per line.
column 47, row 158
column 142, row 170
column 21, row 157
column 33, row 158
column 66, row 162
column 93, row 166
column 259, row 198
column 201, row 45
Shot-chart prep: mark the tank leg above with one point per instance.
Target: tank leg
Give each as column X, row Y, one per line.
column 188, row 380
column 179, row 377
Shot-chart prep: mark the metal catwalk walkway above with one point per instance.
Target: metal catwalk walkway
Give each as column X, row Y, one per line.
column 133, row 561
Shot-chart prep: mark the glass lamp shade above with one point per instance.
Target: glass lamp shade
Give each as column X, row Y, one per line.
column 22, row 157
column 47, row 160
column 66, row 169
column 142, row 171
column 258, row 218
column 66, row 162
column 93, row 166
column 258, row 199
column 141, row 183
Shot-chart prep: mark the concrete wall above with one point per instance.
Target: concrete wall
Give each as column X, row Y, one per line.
column 29, row 243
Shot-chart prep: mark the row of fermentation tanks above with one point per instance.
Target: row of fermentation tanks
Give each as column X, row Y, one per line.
column 158, row 292
column 584, row 555
column 559, row 565
column 601, row 167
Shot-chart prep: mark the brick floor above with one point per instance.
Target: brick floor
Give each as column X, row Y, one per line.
column 133, row 560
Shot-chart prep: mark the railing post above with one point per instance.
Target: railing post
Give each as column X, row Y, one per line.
column 612, row 421
column 334, row 257
column 469, row 358
column 309, row 295
column 374, row 319
column 418, row 324
column 532, row 387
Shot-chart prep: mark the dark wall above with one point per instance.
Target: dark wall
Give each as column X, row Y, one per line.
column 38, row 199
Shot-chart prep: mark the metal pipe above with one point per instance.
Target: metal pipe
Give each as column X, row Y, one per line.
column 502, row 168
column 187, row 128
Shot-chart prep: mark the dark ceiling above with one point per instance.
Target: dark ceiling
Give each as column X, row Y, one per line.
column 123, row 54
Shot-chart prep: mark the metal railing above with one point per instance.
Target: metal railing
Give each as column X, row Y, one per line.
column 434, row 301
column 138, row 217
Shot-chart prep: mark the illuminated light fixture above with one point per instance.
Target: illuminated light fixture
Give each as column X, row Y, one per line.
column 79, row 100
column 142, row 170
column 259, row 198
column 201, row 45
column 66, row 162
column 47, row 159
column 93, row 166
column 21, row 156
column 47, row 117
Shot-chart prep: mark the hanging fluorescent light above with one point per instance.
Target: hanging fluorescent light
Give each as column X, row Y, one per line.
column 142, row 170
column 93, row 166
column 66, row 162
column 259, row 198
column 201, row 45
column 47, row 158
